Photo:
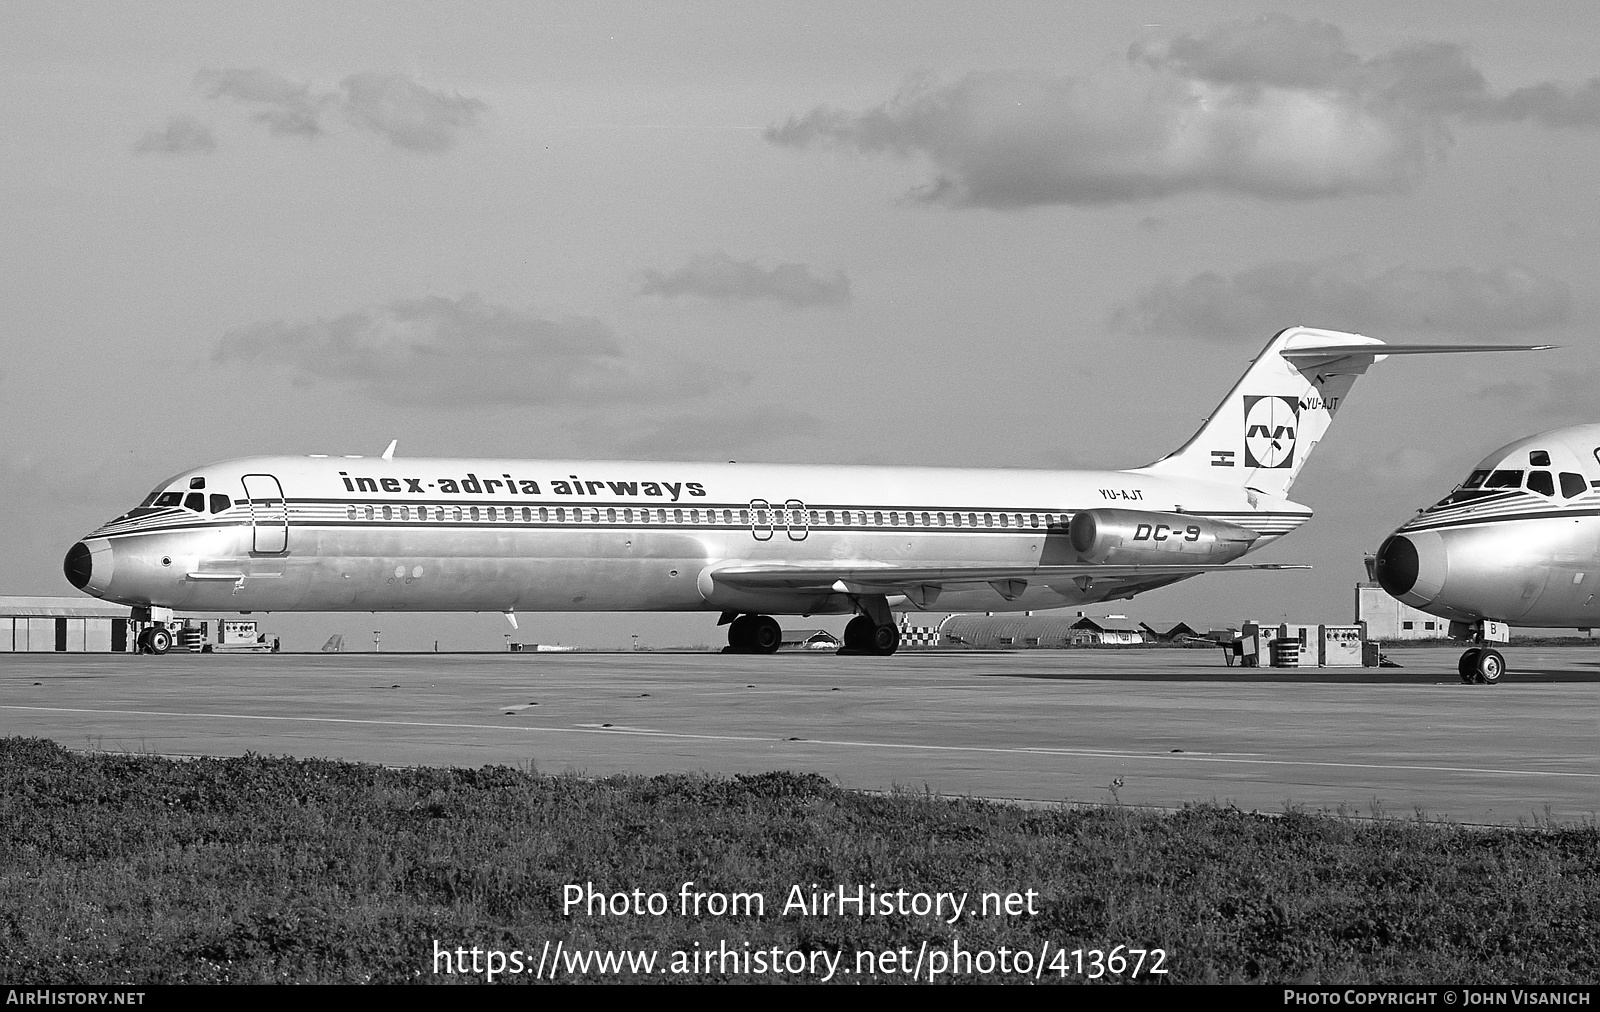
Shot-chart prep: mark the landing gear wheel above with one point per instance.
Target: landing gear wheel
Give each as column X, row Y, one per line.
column 858, row 634
column 885, row 640
column 764, row 634
column 739, row 635
column 1468, row 665
column 158, row 641
column 1490, row 667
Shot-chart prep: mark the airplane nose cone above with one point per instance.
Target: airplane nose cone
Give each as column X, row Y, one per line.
column 1412, row 567
column 79, row 565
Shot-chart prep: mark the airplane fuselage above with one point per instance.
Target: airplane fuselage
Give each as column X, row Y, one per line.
column 410, row 534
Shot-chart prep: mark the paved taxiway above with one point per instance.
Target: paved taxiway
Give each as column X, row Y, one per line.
column 1166, row 726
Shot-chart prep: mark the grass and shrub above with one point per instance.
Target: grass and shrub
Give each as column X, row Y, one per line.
column 134, row 868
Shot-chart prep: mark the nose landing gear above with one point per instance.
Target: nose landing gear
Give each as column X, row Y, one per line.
column 1481, row 666
column 154, row 640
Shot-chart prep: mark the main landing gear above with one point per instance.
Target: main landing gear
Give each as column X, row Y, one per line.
column 754, row 634
column 1481, row 665
column 865, row 636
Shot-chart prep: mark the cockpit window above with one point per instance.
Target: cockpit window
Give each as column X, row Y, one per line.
column 169, row 499
column 1573, row 484
column 1539, row 458
column 219, row 502
column 1541, row 482
column 197, row 483
column 195, row 501
column 1504, row 479
column 1475, row 479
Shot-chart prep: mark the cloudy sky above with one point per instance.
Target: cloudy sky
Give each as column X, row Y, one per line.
column 969, row 234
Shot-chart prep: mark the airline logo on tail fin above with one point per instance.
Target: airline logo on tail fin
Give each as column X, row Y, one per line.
column 1269, row 430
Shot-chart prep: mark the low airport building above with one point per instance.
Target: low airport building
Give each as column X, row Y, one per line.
column 63, row 625
column 1025, row 630
column 1388, row 620
column 84, row 625
column 809, row 639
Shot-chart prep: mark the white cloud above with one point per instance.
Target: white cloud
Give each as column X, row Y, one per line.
column 1275, row 108
column 1346, row 294
column 465, row 351
column 719, row 276
column 406, row 113
column 394, row 106
column 183, row 135
column 286, row 107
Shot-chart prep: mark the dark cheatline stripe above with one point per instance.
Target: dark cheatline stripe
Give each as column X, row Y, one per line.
column 1498, row 518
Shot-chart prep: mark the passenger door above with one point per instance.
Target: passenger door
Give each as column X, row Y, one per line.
column 269, row 514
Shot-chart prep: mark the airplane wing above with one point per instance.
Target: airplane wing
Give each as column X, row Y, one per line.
column 916, row 581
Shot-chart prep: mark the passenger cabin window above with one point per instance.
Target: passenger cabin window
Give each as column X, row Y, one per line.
column 195, row 501
column 369, row 512
column 1504, row 479
column 474, row 514
column 1541, row 482
column 1573, row 484
column 169, row 499
column 388, row 512
column 1539, row 458
column 352, row 513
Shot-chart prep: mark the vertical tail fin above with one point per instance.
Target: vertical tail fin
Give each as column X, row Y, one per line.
column 1264, row 430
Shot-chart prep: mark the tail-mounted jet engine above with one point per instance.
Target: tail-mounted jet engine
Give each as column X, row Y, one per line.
column 1134, row 537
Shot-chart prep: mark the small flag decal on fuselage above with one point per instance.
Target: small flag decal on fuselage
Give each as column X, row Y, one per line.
column 1221, row 458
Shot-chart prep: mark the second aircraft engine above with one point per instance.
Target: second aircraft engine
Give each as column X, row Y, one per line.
column 1132, row 537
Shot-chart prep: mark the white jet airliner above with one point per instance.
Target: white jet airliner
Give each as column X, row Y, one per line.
column 1517, row 542
column 325, row 533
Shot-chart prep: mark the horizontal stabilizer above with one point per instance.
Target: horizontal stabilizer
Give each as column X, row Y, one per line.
column 1328, row 355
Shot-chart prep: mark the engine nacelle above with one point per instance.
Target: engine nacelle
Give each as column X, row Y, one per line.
column 1134, row 537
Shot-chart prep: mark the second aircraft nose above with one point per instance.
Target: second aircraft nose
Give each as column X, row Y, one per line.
column 89, row 565
column 1413, row 566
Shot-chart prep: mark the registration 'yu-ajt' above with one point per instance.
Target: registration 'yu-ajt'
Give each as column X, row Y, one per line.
column 749, row 541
